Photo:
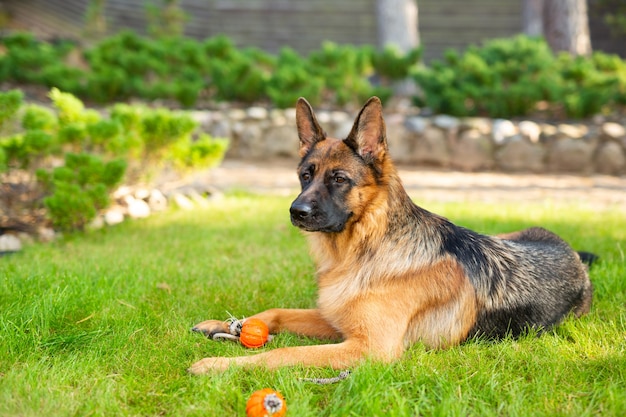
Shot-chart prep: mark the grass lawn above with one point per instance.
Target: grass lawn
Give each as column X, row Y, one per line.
column 99, row 324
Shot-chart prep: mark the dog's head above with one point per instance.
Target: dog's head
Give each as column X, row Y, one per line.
column 338, row 177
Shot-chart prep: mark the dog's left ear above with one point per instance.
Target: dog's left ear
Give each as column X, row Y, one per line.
column 368, row 135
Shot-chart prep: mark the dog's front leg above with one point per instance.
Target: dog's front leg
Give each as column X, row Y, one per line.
column 338, row 356
column 305, row 322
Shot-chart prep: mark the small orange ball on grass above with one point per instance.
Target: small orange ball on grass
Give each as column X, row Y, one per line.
column 254, row 333
column 266, row 403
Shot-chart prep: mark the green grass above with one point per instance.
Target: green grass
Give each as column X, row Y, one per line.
column 99, row 324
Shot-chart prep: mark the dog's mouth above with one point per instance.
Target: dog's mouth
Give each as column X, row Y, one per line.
column 315, row 226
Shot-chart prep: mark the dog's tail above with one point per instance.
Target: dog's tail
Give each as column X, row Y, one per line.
column 588, row 258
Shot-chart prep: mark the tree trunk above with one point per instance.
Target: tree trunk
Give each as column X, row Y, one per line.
column 532, row 11
column 397, row 23
column 566, row 26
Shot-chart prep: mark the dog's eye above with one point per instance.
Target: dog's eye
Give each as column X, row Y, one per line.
column 305, row 176
column 339, row 179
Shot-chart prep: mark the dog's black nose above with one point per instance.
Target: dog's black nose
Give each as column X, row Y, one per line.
column 300, row 211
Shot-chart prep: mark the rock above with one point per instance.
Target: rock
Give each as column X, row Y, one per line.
column 416, row 124
column 530, row 130
column 182, row 202
column 236, row 114
column 122, row 192
column 157, row 200
column 482, row 124
column 114, row 215
column 610, row 159
column 198, row 199
column 97, row 223
column 520, row 155
column 570, row 155
column 612, row 130
column 342, row 130
column 444, row 121
column 431, row 148
column 10, row 243
column 572, row 131
column 502, row 130
column 280, row 141
column 472, row 152
column 257, row 113
column 137, row 209
column 220, row 129
column 339, row 116
column 141, row 193
column 46, row 234
column 251, row 141
column 399, row 145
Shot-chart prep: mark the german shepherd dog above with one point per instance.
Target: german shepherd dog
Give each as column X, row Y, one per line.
column 391, row 273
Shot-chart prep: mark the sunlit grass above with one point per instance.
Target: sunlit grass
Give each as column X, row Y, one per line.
column 99, row 324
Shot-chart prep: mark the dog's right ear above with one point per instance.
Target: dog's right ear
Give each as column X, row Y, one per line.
column 309, row 130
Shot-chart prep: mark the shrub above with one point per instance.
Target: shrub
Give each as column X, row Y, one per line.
column 79, row 189
column 205, row 152
column 10, row 103
column 98, row 151
column 508, row 77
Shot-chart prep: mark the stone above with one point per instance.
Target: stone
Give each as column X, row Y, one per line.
column 10, row 243
column 610, row 159
column 236, row 114
column 416, row 124
column 521, row 155
column 342, row 130
column 472, row 151
column 251, row 141
column 220, row 129
column 570, row 155
column 530, row 130
column 613, row 130
column 502, row 130
column 446, row 122
column 114, row 215
column 137, row 209
column 157, row 201
column 280, row 141
column 482, row 124
column 431, row 148
column 399, row 146
column 46, row 234
column 572, row 131
column 182, row 201
column 97, row 223
column 141, row 193
column 338, row 116
column 257, row 113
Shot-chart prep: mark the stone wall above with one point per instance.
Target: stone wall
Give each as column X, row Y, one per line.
column 465, row 144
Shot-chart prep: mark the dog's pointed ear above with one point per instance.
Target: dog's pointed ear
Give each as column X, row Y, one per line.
column 368, row 135
column 309, row 130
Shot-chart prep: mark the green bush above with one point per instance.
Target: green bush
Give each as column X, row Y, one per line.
column 79, row 189
column 509, row 77
column 293, row 78
column 98, row 150
column 127, row 65
column 204, row 152
column 10, row 102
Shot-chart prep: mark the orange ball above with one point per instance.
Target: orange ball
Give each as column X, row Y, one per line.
column 265, row 403
column 254, row 333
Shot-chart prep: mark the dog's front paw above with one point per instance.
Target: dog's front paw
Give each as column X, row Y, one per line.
column 211, row 327
column 206, row 365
